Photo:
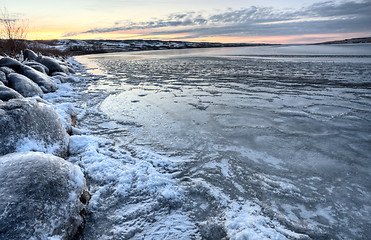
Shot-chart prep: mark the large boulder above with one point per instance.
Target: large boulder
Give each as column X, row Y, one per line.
column 25, row 86
column 28, row 54
column 27, row 125
column 38, row 66
column 52, row 64
column 44, row 81
column 8, row 93
column 42, row 197
column 11, row 63
column 3, row 78
column 7, row 70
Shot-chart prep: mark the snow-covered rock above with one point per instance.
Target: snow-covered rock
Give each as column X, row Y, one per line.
column 61, row 79
column 28, row 125
column 3, row 78
column 38, row 66
column 29, row 54
column 71, row 70
column 59, row 74
column 10, row 62
column 52, row 64
column 7, row 70
column 42, row 197
column 8, row 93
column 25, row 86
column 44, row 81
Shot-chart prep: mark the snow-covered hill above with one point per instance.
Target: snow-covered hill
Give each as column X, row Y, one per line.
column 100, row 46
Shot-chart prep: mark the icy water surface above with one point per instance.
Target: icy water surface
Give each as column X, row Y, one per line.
column 238, row 143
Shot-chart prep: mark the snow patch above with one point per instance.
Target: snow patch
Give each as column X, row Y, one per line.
column 246, row 222
column 27, row 144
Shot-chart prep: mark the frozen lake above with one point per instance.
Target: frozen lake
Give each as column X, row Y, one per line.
column 258, row 142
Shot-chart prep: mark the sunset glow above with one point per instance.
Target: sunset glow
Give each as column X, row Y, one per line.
column 234, row 21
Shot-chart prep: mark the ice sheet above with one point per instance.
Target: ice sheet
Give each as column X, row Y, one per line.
column 238, row 146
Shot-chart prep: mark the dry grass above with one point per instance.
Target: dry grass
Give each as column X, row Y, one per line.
column 11, row 49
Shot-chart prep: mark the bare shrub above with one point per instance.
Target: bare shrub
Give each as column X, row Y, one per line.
column 13, row 32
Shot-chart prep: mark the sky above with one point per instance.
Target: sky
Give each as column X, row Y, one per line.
column 250, row 21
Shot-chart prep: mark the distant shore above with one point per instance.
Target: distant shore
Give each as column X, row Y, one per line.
column 73, row 47
column 81, row 47
column 348, row 41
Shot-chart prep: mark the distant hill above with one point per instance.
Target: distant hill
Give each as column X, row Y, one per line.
column 105, row 46
column 349, row 41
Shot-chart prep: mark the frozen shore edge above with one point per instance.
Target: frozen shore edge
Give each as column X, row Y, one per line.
column 43, row 195
column 241, row 219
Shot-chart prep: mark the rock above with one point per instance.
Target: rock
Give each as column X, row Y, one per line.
column 8, row 93
column 71, row 70
column 34, row 63
column 27, row 125
column 11, row 63
column 25, row 86
column 7, row 70
column 57, row 79
column 38, row 66
column 29, row 54
column 44, row 81
column 42, row 197
column 52, row 64
column 3, row 78
column 75, row 131
column 59, row 74
column 68, row 114
column 60, row 79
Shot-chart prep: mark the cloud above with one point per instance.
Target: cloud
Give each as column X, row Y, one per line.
column 319, row 18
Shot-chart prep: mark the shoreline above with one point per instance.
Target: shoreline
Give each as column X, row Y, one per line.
column 113, row 173
column 44, row 195
column 131, row 74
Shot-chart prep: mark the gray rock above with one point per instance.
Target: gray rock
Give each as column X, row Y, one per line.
column 25, row 86
column 44, row 81
column 59, row 74
column 11, row 63
column 71, row 70
column 3, row 78
column 38, row 66
column 52, row 64
column 7, row 70
column 8, row 93
column 42, row 197
column 27, row 125
column 57, row 79
column 29, row 54
column 60, row 79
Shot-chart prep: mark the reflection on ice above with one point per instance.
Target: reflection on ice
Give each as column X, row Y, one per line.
column 265, row 145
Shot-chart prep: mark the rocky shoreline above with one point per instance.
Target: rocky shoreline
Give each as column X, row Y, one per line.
column 43, row 195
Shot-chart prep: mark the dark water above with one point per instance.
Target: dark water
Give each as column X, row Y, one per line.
column 270, row 141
